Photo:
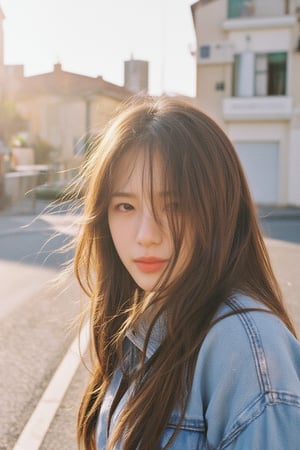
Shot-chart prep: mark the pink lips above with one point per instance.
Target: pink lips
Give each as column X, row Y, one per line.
column 150, row 264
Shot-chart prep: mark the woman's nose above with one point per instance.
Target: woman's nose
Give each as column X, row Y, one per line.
column 149, row 231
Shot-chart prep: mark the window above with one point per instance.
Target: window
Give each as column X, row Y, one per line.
column 257, row 8
column 220, row 86
column 204, row 51
column 240, row 8
column 276, row 74
column 259, row 74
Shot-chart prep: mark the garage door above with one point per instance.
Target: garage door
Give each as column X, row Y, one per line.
column 261, row 164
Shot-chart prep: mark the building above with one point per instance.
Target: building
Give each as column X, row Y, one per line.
column 66, row 109
column 61, row 108
column 248, row 72
column 10, row 75
column 2, row 17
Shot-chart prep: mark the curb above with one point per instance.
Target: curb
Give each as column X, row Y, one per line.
column 279, row 217
column 278, row 213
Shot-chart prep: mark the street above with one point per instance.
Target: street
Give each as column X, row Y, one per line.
column 37, row 311
column 38, row 308
column 280, row 223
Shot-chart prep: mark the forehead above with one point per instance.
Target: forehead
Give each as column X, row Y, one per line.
column 138, row 170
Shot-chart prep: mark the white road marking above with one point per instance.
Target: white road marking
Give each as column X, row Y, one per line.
column 37, row 426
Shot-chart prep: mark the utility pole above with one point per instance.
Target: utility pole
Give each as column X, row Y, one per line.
column 88, row 105
column 163, row 44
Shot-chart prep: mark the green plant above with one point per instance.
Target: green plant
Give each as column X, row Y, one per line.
column 43, row 151
column 11, row 123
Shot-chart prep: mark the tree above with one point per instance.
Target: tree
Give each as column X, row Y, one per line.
column 43, row 151
column 11, row 122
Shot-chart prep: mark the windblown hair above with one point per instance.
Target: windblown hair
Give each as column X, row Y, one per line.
column 205, row 176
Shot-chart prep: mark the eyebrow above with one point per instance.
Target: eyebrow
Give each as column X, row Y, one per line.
column 132, row 195
column 123, row 194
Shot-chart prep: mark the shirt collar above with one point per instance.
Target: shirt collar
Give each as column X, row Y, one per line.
column 138, row 335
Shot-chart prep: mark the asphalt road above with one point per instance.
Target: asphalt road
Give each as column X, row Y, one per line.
column 38, row 305
column 284, row 229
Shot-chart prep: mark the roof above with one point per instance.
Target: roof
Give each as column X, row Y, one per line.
column 60, row 82
column 195, row 5
column 200, row 2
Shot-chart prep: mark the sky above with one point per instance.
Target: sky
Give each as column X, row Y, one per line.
column 95, row 37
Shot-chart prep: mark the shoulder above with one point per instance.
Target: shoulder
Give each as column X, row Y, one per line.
column 248, row 361
column 255, row 342
column 244, row 323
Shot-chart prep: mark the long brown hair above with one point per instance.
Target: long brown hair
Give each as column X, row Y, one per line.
column 203, row 171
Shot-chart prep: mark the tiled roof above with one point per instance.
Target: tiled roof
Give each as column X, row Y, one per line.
column 61, row 82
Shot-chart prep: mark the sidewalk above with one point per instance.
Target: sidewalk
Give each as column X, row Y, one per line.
column 285, row 259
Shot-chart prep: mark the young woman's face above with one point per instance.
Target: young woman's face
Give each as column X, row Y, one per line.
column 144, row 244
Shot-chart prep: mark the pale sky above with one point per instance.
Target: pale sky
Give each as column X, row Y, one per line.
column 95, row 37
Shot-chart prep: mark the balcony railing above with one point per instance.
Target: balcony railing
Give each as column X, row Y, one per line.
column 257, row 108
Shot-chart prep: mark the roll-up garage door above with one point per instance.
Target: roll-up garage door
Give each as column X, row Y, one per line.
column 261, row 164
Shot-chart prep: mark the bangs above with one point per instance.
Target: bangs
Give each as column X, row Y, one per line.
column 162, row 176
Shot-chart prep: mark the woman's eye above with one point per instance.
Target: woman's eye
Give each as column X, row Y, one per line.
column 124, row 207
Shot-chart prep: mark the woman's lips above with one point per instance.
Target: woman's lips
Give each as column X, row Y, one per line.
column 150, row 264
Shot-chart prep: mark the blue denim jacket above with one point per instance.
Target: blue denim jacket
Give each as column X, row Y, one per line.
column 246, row 388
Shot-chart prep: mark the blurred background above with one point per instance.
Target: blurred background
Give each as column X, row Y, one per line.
column 65, row 66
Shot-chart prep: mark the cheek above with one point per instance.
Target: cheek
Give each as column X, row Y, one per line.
column 121, row 235
column 113, row 228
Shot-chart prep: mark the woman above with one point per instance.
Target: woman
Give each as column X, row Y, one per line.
column 192, row 347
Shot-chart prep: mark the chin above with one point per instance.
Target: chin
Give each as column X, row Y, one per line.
column 147, row 286
column 146, row 281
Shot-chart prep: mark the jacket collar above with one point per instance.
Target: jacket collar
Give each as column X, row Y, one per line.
column 138, row 335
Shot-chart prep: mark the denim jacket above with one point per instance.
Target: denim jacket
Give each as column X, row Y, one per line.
column 246, row 387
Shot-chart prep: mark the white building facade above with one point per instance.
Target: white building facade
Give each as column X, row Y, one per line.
column 248, row 80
